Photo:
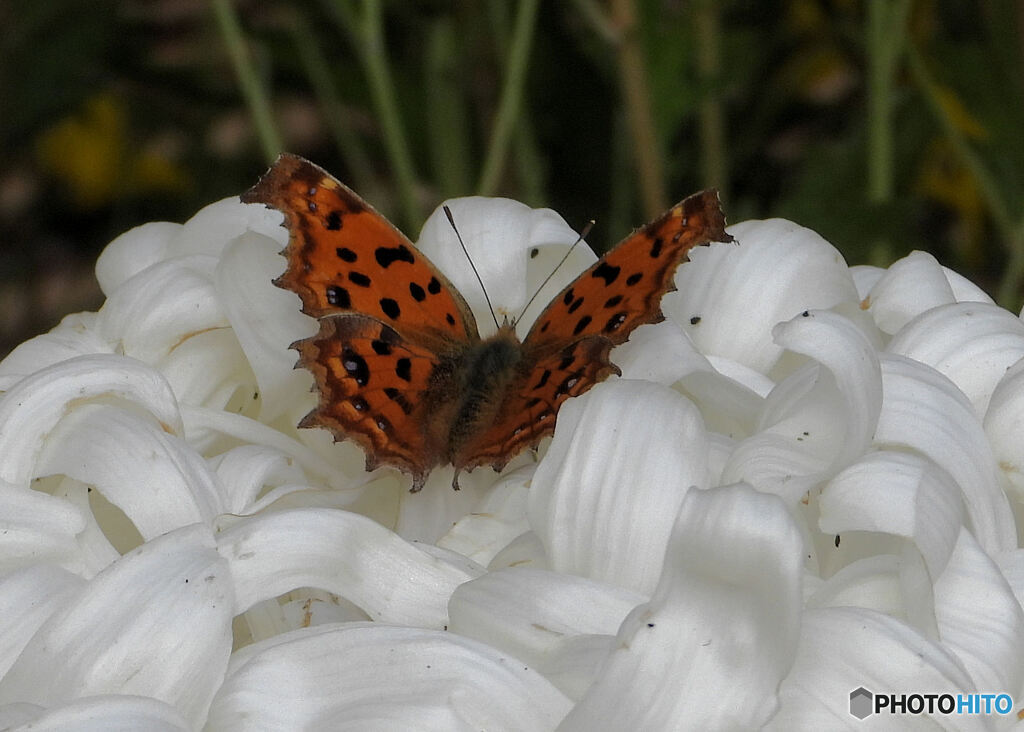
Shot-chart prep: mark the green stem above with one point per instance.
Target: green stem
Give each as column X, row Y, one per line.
column 1011, row 230
column 446, row 114
column 248, row 80
column 511, row 98
column 711, row 116
column 885, row 36
column 336, row 117
column 637, row 99
column 382, row 90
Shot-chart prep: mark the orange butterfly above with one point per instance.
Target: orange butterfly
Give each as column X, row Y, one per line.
column 399, row 363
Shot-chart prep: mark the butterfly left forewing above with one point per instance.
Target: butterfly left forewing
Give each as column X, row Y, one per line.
column 344, row 257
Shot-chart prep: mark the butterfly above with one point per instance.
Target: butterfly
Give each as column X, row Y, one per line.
column 398, row 361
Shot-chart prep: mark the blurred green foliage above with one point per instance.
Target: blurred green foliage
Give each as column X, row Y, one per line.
column 885, row 125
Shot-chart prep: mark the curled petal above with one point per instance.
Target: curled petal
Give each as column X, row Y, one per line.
column 345, row 553
column 909, row 287
column 134, row 251
column 979, row 618
column 265, row 319
column 843, row 648
column 371, row 676
column 30, row 409
column 75, row 336
column 27, row 598
column 817, row 420
column 156, row 479
column 37, row 528
column 604, row 497
column 924, row 411
column 536, row 615
column 720, row 631
column 110, row 712
column 897, row 493
column 159, row 307
column 972, row 343
column 1004, row 427
column 499, row 234
column 781, row 266
column 155, row 623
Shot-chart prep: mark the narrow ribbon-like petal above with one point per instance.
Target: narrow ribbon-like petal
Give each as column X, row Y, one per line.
column 367, row 676
column 720, row 631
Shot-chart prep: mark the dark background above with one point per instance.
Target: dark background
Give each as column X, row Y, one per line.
column 885, row 125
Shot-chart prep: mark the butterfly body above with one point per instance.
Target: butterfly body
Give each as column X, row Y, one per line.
column 398, row 361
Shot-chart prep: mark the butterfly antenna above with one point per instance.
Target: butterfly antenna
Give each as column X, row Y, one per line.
column 451, row 220
column 581, row 237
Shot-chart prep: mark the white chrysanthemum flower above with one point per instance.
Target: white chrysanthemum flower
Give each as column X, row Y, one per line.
column 807, row 481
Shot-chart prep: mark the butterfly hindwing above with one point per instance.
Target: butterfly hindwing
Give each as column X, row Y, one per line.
column 623, row 289
column 344, row 257
column 527, row 413
column 371, row 384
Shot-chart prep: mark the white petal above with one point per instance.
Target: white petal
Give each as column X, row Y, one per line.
column 738, row 292
column 606, row 493
column 842, row 649
column 971, row 343
column 817, row 420
column 720, row 631
column 333, row 474
column 376, row 677
column 499, row 234
column 155, row 623
column 872, row 582
column 494, row 522
column 161, row 306
column 344, row 553
column 215, row 225
column 864, row 277
column 75, row 336
column 924, row 411
column 266, row 319
column 210, row 369
column 109, row 713
column 37, row 528
column 980, row 619
column 532, row 614
column 134, row 251
column 909, row 287
column 245, row 472
column 29, row 410
column 27, row 598
column 156, row 479
column 1004, row 427
column 897, row 493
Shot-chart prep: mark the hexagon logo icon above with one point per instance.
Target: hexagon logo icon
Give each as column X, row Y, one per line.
column 861, row 703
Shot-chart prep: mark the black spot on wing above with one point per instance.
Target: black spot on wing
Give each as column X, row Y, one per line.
column 634, row 278
column 614, row 322
column 358, row 278
column 417, row 292
column 346, row 255
column 581, row 325
column 333, row 221
column 543, row 379
column 386, row 256
column 656, row 246
column 575, row 305
column 381, row 348
column 390, row 308
column 569, row 297
column 606, row 272
column 403, row 369
column 355, row 366
column 338, row 296
column 433, row 287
